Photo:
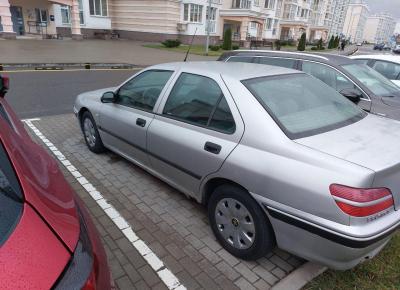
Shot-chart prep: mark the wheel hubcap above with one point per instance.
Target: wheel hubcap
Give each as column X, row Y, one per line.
column 90, row 133
column 235, row 223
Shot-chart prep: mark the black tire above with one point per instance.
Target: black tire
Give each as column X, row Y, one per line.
column 264, row 240
column 96, row 146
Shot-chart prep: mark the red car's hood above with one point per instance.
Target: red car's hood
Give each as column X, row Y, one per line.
column 43, row 184
column 33, row 257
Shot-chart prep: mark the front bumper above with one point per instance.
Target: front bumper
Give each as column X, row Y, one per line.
column 321, row 245
column 76, row 112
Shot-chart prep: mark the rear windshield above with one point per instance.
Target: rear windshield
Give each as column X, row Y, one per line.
column 373, row 80
column 302, row 105
column 11, row 200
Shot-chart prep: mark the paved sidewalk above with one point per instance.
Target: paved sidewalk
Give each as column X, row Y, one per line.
column 175, row 228
column 24, row 51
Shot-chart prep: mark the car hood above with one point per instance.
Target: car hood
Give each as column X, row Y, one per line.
column 372, row 142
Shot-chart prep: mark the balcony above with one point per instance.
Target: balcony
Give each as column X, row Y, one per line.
column 252, row 8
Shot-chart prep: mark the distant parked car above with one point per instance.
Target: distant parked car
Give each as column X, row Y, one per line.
column 359, row 44
column 275, row 154
column 387, row 65
column 396, row 49
column 379, row 46
column 360, row 83
column 47, row 238
column 387, row 47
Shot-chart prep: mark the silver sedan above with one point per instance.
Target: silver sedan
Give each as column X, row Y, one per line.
column 277, row 156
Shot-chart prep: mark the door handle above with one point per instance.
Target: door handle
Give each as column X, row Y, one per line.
column 140, row 122
column 212, row 147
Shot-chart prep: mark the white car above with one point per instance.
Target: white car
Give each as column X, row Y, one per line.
column 387, row 65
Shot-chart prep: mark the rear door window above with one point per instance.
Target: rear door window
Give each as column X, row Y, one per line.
column 11, row 198
column 388, row 69
column 276, row 61
column 200, row 101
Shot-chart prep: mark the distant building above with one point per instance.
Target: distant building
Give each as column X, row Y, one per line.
column 397, row 28
column 356, row 18
column 335, row 16
column 379, row 28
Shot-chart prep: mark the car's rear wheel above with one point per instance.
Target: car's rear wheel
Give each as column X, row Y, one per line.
column 239, row 223
column 91, row 133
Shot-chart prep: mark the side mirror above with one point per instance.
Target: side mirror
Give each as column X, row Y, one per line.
column 352, row 95
column 108, row 97
column 4, row 85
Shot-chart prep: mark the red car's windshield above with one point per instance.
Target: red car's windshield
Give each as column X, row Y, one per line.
column 11, row 199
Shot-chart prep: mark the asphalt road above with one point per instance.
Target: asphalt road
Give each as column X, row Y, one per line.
column 369, row 49
column 37, row 94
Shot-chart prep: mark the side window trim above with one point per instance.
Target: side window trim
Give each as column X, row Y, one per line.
column 156, row 105
column 341, row 73
column 160, row 109
column 296, row 61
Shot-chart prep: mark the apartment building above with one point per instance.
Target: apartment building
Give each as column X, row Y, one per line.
column 379, row 28
column 335, row 15
column 356, row 18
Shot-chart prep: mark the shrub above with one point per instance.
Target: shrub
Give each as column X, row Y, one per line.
column 227, row 44
column 314, row 48
column 235, row 47
column 291, row 42
column 284, row 43
column 171, row 43
column 302, row 43
column 214, row 47
column 336, row 42
column 320, row 44
column 331, row 42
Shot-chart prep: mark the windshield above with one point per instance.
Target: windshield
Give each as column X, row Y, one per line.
column 11, row 204
column 302, row 105
column 373, row 80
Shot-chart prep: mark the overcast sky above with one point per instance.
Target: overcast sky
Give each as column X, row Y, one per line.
column 389, row 6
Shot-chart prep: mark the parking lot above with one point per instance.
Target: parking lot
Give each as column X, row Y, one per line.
column 173, row 245
column 175, row 228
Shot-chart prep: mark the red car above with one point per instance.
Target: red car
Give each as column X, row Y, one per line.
column 47, row 238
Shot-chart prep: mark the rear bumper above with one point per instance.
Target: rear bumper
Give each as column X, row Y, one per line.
column 315, row 243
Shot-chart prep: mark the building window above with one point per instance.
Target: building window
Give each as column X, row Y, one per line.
column 65, row 14
column 98, row 7
column 268, row 24
column 41, row 15
column 253, row 25
column 269, row 4
column 211, row 14
column 256, row 2
column 193, row 13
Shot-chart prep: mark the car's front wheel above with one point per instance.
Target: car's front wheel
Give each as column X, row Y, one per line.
column 239, row 223
column 91, row 133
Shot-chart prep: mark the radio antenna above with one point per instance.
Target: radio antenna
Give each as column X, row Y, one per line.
column 190, row 46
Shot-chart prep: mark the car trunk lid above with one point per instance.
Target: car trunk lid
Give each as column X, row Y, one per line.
column 373, row 142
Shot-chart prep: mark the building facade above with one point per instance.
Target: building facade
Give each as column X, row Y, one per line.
column 356, row 17
column 379, row 28
column 37, row 17
column 335, row 16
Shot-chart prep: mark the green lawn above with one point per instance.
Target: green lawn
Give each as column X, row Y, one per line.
column 196, row 49
column 382, row 272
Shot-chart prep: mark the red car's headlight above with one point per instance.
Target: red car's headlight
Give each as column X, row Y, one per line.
column 80, row 271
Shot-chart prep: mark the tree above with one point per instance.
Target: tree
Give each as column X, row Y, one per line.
column 337, row 42
column 320, row 44
column 302, row 43
column 227, row 44
column 331, row 42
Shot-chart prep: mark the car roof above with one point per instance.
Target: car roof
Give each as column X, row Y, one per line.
column 332, row 59
column 235, row 70
column 388, row 57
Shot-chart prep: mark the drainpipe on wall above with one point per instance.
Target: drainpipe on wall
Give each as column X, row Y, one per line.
column 6, row 21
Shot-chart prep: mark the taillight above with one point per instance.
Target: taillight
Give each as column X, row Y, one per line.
column 361, row 202
column 81, row 271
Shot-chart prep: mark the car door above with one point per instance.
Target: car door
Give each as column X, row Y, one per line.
column 196, row 128
column 123, row 124
column 335, row 79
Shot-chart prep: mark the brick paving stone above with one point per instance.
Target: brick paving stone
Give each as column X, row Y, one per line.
column 243, row 284
column 149, row 276
column 246, row 272
column 124, row 283
column 229, row 272
column 174, row 227
column 206, row 281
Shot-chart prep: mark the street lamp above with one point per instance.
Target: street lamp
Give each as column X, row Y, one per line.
column 208, row 26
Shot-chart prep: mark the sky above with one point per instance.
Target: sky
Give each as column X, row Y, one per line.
column 389, row 6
